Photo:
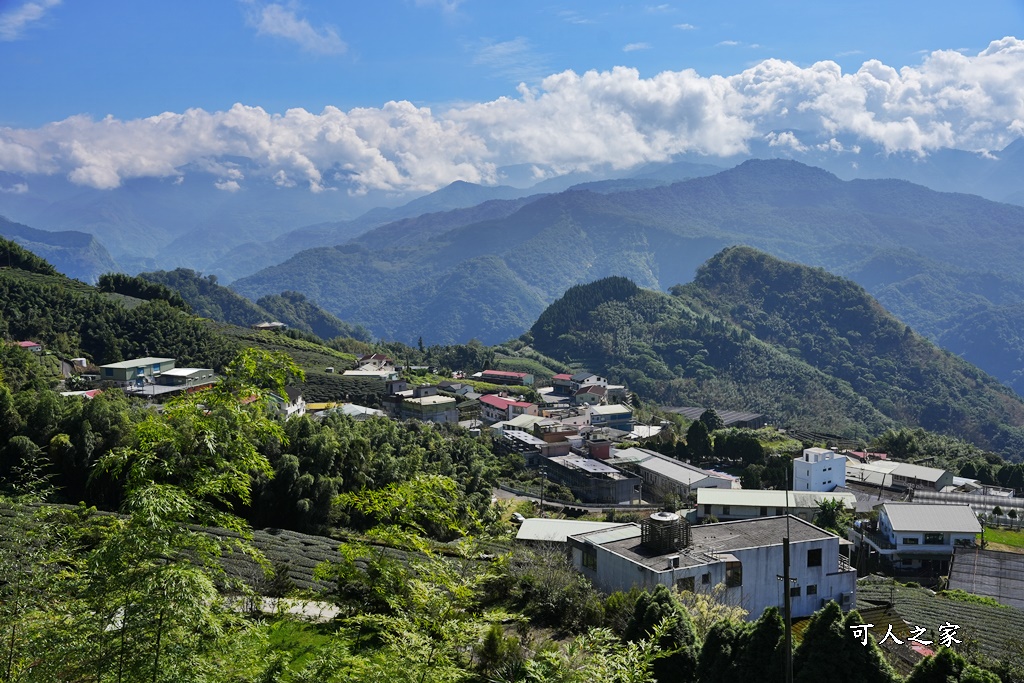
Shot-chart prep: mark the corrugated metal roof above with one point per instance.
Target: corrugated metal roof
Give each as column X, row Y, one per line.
column 615, row 409
column 557, row 530
column 995, row 573
column 611, row 535
column 663, row 465
column 772, row 499
column 905, row 469
column 931, row 517
column 128, row 364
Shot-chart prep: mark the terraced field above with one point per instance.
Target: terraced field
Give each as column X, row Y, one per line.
column 983, row 626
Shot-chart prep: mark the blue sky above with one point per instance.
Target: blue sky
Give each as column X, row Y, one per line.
column 699, row 77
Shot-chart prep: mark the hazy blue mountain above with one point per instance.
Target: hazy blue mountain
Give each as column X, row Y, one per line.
column 75, row 254
column 184, row 221
column 247, row 258
column 932, row 256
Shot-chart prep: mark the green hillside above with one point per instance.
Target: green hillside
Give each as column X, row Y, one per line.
column 211, row 300
column 72, row 319
column 809, row 349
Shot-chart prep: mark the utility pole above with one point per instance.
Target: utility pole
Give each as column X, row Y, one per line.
column 787, row 603
column 543, row 479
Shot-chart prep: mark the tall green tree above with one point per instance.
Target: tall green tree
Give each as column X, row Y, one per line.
column 698, row 441
column 712, row 420
column 946, row 666
column 829, row 651
column 833, row 516
column 739, row 651
column 677, row 641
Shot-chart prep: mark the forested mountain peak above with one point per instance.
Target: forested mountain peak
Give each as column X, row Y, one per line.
column 805, row 347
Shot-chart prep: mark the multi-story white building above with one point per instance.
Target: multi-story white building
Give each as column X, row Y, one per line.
column 819, row 469
column 746, row 556
column 921, row 536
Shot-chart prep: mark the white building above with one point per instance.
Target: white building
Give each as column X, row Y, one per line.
column 819, row 469
column 728, row 504
column 921, row 536
column 745, row 556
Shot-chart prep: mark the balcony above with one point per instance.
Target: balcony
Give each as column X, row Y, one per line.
column 878, row 540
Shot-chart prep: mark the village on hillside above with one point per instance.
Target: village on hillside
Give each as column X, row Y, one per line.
column 691, row 527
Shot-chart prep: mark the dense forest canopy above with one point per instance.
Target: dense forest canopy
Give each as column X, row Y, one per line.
column 804, row 347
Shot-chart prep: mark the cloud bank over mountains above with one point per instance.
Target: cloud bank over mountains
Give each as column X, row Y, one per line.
column 570, row 122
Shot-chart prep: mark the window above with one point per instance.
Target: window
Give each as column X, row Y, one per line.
column 707, row 509
column 764, row 510
column 812, row 589
column 935, row 539
column 685, row 584
column 590, row 557
column 705, row 578
column 794, row 592
column 733, row 574
column 814, row 557
column 780, row 511
column 909, row 540
column 725, row 509
column 108, row 372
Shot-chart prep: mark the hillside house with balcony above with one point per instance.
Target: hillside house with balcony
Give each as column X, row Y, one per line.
column 746, row 556
column 920, row 537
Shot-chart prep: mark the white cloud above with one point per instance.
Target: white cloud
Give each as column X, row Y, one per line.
column 728, row 43
column 566, row 121
column 633, row 47
column 574, row 17
column 660, row 9
column 786, row 139
column 228, row 185
column 685, row 27
column 276, row 19
column 13, row 23
column 16, row 188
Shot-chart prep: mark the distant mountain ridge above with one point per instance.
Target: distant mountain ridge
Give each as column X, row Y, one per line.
column 658, row 236
column 464, row 204
column 219, row 215
column 75, row 254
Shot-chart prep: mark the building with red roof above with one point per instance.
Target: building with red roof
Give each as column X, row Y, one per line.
column 494, row 408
